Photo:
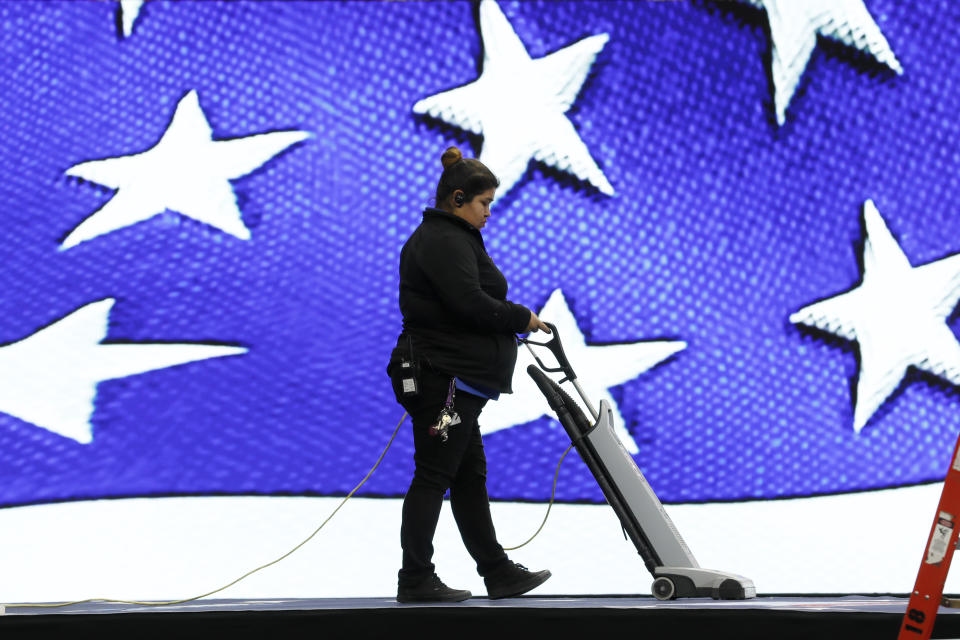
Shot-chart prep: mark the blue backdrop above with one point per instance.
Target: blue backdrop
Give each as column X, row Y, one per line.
column 722, row 224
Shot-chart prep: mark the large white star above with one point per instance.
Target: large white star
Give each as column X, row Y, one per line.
column 897, row 315
column 50, row 377
column 518, row 104
column 186, row 171
column 794, row 25
column 598, row 367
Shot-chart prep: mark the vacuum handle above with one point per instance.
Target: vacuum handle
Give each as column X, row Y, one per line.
column 556, row 348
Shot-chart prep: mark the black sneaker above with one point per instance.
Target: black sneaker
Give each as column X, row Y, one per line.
column 431, row 589
column 512, row 580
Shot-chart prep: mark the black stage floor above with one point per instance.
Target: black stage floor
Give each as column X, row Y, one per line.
column 825, row 617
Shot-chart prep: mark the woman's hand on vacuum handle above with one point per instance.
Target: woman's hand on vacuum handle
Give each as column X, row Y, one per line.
column 536, row 324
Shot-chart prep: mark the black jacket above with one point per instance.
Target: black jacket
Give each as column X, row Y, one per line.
column 454, row 306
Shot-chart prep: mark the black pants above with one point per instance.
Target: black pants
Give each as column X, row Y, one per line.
column 459, row 465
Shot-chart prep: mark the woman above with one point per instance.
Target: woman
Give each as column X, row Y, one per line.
column 457, row 351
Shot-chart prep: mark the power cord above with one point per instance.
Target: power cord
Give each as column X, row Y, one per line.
column 549, row 506
column 291, row 551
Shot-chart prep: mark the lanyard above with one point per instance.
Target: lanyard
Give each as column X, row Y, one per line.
column 451, row 393
column 448, row 417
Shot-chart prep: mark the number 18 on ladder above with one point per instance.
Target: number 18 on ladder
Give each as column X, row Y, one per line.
column 927, row 594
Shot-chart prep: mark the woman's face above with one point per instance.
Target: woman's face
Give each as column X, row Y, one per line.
column 477, row 210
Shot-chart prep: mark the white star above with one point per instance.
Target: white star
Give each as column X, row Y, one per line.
column 598, row 367
column 518, row 104
column 50, row 377
column 794, row 25
column 897, row 315
column 186, row 171
column 129, row 10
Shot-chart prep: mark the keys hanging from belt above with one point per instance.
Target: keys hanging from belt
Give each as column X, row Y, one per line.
column 448, row 417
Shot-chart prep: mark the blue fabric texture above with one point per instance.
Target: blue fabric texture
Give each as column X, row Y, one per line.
column 722, row 224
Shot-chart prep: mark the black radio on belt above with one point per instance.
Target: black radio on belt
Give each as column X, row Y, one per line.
column 409, row 373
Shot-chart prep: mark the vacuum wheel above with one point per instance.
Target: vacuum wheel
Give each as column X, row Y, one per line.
column 663, row 589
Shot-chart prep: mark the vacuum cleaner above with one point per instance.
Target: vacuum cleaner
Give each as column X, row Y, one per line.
column 666, row 556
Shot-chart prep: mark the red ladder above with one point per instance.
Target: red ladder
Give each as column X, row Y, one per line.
column 927, row 595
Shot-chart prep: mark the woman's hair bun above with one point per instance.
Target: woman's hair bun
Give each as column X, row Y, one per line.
column 451, row 155
column 469, row 175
